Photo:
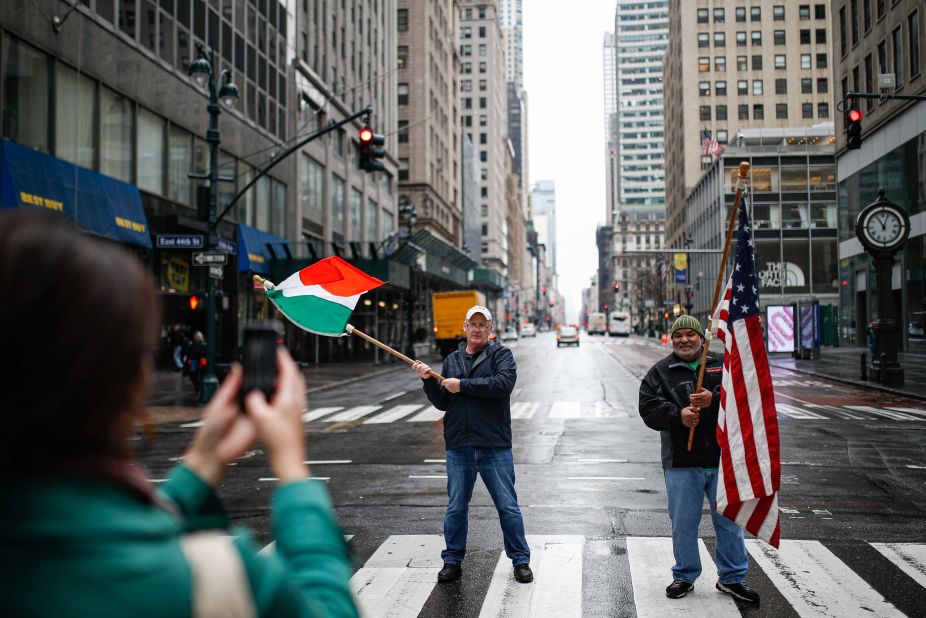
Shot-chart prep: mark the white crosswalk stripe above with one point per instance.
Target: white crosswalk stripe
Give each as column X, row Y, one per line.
column 401, row 575
column 524, row 409
column 430, row 413
column 352, row 414
column 317, row 413
column 892, row 414
column 566, row 409
column 394, row 414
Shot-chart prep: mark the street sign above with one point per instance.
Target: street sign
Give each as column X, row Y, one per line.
column 201, row 258
column 180, row 241
column 227, row 246
column 216, row 272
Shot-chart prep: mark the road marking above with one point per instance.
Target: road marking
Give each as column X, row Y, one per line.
column 605, row 478
column 198, row 423
column 323, row 462
column 897, row 416
column 913, row 467
column 270, row 479
column 428, row 414
column 565, row 409
column 393, row 396
column 394, row 414
column 352, row 414
column 157, row 480
column 603, row 409
column 815, row 582
column 435, row 461
column 427, row 476
column 557, row 588
column 909, row 557
column 788, row 511
column 798, row 413
column 319, row 412
column 843, row 414
column 916, row 411
column 649, row 561
column 398, row 578
column 272, row 545
column 602, row 461
column 524, row 410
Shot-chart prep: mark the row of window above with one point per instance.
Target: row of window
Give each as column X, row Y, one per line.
column 779, row 37
column 853, row 15
column 758, row 87
column 781, row 111
column 755, row 13
column 743, row 62
column 466, row 32
column 467, row 50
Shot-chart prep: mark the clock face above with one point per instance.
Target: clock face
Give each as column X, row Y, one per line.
column 884, row 227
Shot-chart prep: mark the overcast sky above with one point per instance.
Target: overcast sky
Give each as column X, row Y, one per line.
column 564, row 79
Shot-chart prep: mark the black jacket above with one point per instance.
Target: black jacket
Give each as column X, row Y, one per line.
column 480, row 414
column 664, row 392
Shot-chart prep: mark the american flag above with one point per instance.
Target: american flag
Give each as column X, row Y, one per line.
column 747, row 425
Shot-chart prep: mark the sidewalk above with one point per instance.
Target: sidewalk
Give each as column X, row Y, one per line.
column 843, row 365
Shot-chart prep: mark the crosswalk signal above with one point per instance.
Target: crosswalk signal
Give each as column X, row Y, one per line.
column 194, row 302
column 854, row 129
column 370, row 151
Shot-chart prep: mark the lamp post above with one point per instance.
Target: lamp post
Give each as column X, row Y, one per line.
column 223, row 90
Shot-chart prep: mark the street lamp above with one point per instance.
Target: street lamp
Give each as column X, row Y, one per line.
column 225, row 91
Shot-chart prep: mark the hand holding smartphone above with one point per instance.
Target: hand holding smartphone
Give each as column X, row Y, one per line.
column 261, row 340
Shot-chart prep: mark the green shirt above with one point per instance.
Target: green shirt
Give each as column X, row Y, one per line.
column 94, row 547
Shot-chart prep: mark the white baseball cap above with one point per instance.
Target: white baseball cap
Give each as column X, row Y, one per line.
column 478, row 309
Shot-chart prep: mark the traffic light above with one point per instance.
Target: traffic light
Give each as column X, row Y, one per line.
column 551, row 303
column 854, row 129
column 665, row 314
column 606, row 307
column 617, row 285
column 194, row 302
column 544, row 291
column 370, row 151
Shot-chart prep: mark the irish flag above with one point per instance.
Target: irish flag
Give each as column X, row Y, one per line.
column 320, row 298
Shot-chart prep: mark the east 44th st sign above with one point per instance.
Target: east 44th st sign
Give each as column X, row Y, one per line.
column 203, row 258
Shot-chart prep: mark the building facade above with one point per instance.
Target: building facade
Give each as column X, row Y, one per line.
column 873, row 39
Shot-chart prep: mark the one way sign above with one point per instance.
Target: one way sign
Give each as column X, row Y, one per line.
column 202, row 258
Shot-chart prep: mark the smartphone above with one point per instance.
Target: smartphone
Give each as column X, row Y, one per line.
column 261, row 340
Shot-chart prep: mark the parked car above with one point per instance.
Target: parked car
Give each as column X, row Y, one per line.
column 510, row 334
column 567, row 335
column 528, row 330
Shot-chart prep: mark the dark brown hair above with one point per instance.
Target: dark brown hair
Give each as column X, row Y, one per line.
column 78, row 322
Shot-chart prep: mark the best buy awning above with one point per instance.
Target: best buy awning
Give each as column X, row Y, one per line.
column 257, row 248
column 96, row 203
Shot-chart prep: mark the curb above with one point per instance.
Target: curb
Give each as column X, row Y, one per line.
column 354, row 379
column 859, row 383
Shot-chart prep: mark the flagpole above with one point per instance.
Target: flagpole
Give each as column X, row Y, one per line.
column 351, row 330
column 734, row 212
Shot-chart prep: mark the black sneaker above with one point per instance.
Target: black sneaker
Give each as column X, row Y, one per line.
column 739, row 591
column 450, row 573
column 678, row 588
column 523, row 573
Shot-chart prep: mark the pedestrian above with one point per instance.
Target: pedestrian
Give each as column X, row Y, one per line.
column 670, row 405
column 476, row 396
column 872, row 335
column 83, row 532
column 196, row 360
column 177, row 342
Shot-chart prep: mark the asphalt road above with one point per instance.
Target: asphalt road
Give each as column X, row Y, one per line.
column 590, row 486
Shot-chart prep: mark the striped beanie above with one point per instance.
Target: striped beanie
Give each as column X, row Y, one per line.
column 687, row 321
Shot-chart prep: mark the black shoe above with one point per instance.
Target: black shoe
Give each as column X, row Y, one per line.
column 523, row 573
column 450, row 573
column 739, row 591
column 678, row 588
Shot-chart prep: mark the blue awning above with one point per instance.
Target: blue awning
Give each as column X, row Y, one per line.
column 96, row 203
column 257, row 248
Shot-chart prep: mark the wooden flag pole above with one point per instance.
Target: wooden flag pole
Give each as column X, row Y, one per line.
column 267, row 285
column 351, row 330
column 734, row 213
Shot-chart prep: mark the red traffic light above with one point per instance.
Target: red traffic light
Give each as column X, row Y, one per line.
column 366, row 135
column 855, row 115
column 194, row 302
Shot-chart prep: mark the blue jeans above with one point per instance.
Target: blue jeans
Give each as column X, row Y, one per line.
column 686, row 488
column 496, row 467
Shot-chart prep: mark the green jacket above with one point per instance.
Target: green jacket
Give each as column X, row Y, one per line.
column 80, row 547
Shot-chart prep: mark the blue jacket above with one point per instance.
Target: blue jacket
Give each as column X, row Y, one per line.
column 480, row 414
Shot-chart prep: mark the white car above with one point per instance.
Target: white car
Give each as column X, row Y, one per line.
column 528, row 330
column 567, row 335
column 510, row 334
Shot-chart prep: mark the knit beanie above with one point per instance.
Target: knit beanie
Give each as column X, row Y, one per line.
column 687, row 321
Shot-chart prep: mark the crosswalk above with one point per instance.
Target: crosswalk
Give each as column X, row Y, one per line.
column 400, row 576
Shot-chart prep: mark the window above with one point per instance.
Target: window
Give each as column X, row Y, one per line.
column 741, row 13
column 482, row 102
column 466, row 68
column 781, row 111
column 402, row 20
column 26, row 95
column 720, row 88
column 781, row 86
column 778, row 13
column 179, row 164
column 720, row 39
column 803, row 12
column 75, row 109
column 756, row 38
column 869, row 82
column 882, row 57
column 482, row 84
column 823, row 85
column 866, row 15
column 482, row 67
column 758, row 112
column 483, row 120
column 403, row 132
column 757, row 87
column 116, row 128
column 821, row 61
column 805, row 61
column 805, row 37
column 806, row 110
column 704, row 64
column 823, row 110
column 843, row 32
column 721, row 112
column 820, row 36
column 819, row 11
column 483, row 138
column 703, row 16
column 356, row 206
column 466, row 85
column 149, row 152
column 880, row 4
column 757, row 62
column 705, row 112
column 482, row 49
column 779, row 37
column 372, row 209
column 742, row 87
column 755, row 13
column 806, row 86
column 466, row 32
column 853, row 20
column 402, row 56
column 703, row 40
column 720, row 64
column 337, row 201
column 743, row 112
column 722, row 136
column 719, row 16
column 484, row 156
column 742, row 64
column 403, row 94
column 482, row 32
column 913, row 37
column 466, row 50
column 897, row 44
column 704, row 89
column 780, row 61
column 741, row 39
column 403, row 169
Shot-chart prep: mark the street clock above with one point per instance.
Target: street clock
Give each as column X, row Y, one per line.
column 882, row 226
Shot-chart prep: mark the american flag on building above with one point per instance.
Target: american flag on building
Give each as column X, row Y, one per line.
column 747, row 425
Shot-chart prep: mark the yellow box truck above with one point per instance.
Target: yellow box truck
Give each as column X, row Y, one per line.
column 449, row 313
